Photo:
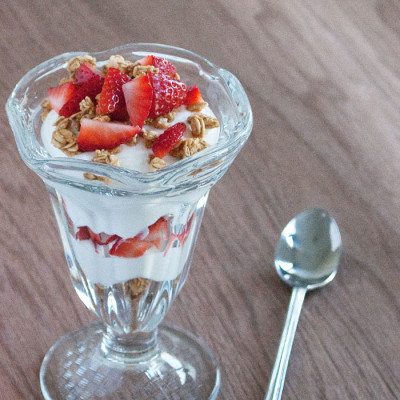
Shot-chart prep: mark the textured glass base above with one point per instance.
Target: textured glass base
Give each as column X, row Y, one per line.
column 76, row 368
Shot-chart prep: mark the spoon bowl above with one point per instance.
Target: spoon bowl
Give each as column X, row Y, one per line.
column 307, row 257
column 309, row 249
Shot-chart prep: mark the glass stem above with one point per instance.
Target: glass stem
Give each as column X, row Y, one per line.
column 129, row 348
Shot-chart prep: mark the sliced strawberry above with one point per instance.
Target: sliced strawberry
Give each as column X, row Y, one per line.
column 60, row 95
column 181, row 237
column 102, row 238
column 130, row 248
column 193, row 95
column 168, row 93
column 112, row 99
column 85, row 72
column 164, row 66
column 147, row 60
column 96, row 134
column 167, row 140
column 121, row 114
column 138, row 95
column 83, row 233
column 157, row 232
column 91, row 88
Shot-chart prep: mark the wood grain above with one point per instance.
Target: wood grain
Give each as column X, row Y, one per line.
column 323, row 80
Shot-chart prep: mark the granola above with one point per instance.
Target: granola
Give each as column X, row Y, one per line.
column 157, row 163
column 46, row 106
column 140, row 70
column 120, row 63
column 188, row 147
column 65, row 140
column 103, row 157
column 197, row 125
column 161, row 122
column 149, row 137
column 196, row 107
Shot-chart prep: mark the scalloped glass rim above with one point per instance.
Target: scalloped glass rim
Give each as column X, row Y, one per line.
column 201, row 169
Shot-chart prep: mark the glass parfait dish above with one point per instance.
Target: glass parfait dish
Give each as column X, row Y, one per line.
column 128, row 352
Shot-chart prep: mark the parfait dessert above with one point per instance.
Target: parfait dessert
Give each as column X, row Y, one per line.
column 142, row 116
column 129, row 142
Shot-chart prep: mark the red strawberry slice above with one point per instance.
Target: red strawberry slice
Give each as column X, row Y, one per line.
column 193, row 95
column 85, row 72
column 90, row 88
column 60, row 95
column 147, row 60
column 181, row 237
column 164, row 66
column 130, row 248
column 112, row 99
column 96, row 134
column 157, row 232
column 167, row 140
column 101, row 239
column 168, row 93
column 83, row 233
column 138, row 95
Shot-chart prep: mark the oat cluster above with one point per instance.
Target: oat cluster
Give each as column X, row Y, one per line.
column 156, row 163
column 65, row 135
column 188, row 147
column 104, row 157
column 161, row 122
column 149, row 137
column 45, row 104
column 197, row 107
column 136, row 287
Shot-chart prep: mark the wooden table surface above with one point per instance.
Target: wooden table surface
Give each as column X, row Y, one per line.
column 323, row 78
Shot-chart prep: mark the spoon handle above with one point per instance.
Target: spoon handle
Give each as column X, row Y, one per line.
column 282, row 358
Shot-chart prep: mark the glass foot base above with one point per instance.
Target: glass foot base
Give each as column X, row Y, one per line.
column 76, row 368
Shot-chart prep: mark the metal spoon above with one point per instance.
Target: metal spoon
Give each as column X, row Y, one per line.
column 307, row 257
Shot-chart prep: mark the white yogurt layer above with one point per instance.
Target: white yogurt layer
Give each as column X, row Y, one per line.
column 131, row 157
column 127, row 217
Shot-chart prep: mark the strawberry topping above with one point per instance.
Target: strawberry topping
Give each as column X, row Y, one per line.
column 168, row 93
column 96, row 134
column 82, row 233
column 130, row 248
column 91, row 88
column 84, row 73
column 147, row 60
column 112, row 99
column 138, row 96
column 193, row 95
column 168, row 139
column 101, row 239
column 164, row 66
column 157, row 233
column 60, row 95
